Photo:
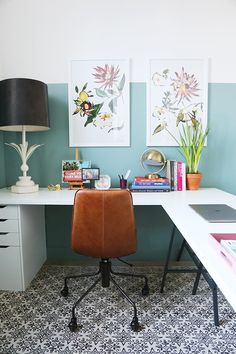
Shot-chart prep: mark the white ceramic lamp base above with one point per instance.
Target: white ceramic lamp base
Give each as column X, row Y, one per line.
column 25, row 185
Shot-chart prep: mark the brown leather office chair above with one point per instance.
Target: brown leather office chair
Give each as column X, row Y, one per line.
column 103, row 226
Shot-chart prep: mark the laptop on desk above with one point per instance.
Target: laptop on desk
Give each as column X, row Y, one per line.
column 215, row 212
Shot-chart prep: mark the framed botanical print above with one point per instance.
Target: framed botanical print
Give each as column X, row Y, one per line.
column 99, row 103
column 176, row 94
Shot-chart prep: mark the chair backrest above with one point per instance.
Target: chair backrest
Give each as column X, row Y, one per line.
column 103, row 223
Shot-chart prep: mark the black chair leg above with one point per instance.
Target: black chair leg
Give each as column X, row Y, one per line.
column 127, row 263
column 145, row 289
column 65, row 290
column 135, row 326
column 73, row 323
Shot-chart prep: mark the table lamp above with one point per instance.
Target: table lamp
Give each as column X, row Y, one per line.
column 24, row 107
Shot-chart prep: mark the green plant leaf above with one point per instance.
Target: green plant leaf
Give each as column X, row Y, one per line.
column 158, row 129
column 77, row 102
column 100, row 93
column 93, row 113
column 113, row 105
column 77, row 110
column 180, row 118
column 76, row 89
column 84, row 87
column 191, row 144
column 89, row 120
column 122, row 83
column 96, row 109
column 112, row 92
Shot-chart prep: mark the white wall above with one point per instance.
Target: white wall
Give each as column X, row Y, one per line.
column 38, row 37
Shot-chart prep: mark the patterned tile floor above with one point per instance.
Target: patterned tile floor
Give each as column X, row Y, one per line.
column 36, row 321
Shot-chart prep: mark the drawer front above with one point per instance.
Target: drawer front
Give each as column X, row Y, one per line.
column 10, row 269
column 7, row 225
column 9, row 239
column 8, row 212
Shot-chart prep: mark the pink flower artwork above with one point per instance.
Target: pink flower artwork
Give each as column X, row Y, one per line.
column 177, row 88
column 99, row 103
column 106, row 76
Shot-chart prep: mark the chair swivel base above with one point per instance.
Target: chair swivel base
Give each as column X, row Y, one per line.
column 105, row 272
column 135, row 326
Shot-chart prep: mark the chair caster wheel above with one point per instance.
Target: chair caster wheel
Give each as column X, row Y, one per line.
column 145, row 290
column 65, row 291
column 135, row 326
column 73, row 324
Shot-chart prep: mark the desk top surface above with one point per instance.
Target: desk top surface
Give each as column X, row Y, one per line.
column 66, row 197
column 193, row 227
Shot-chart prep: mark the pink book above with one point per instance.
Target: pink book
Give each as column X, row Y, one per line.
column 183, row 176
column 179, row 176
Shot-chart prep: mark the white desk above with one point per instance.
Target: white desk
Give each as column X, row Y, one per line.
column 193, row 228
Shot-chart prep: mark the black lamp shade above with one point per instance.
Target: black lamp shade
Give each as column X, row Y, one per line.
column 23, row 102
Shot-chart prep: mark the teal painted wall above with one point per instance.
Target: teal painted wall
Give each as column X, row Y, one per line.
column 217, row 165
column 220, row 158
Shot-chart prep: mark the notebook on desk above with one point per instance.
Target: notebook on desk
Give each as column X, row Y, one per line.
column 215, row 212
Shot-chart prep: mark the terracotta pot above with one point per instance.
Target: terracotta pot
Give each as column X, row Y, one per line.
column 193, row 180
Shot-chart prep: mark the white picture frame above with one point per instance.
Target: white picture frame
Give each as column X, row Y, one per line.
column 98, row 94
column 103, row 183
column 176, row 88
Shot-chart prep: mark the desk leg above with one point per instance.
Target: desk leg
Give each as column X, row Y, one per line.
column 199, row 270
column 181, row 250
column 202, row 271
column 167, row 259
column 213, row 286
column 215, row 303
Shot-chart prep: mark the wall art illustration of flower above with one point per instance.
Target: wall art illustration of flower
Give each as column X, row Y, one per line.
column 107, row 91
column 177, row 100
column 99, row 105
column 177, row 88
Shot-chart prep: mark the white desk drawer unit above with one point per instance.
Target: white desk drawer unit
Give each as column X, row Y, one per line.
column 22, row 245
column 8, row 212
column 10, row 257
column 9, row 225
column 9, row 239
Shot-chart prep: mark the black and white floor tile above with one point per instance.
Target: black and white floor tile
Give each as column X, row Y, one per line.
column 36, row 321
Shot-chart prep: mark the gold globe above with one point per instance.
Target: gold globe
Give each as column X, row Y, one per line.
column 153, row 161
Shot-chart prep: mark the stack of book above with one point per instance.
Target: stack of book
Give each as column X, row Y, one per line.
column 143, row 184
column 176, row 173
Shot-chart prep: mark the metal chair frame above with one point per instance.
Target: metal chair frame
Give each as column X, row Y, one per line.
column 105, row 271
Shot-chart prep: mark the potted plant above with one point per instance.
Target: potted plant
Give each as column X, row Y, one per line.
column 191, row 143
